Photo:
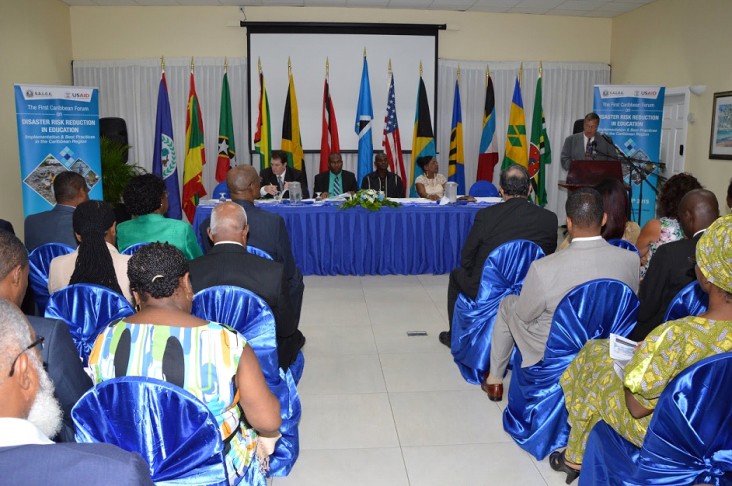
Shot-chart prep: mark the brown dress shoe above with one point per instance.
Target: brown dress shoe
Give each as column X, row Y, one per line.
column 495, row 392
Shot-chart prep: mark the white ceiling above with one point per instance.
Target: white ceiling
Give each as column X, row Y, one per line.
column 570, row 8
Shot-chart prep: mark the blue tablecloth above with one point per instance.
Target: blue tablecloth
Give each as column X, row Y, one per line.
column 408, row 240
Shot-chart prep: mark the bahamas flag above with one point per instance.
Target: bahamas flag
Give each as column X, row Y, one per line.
column 456, row 168
column 540, row 153
column 263, row 136
column 516, row 149
column 195, row 159
column 488, row 154
column 423, row 140
column 291, row 140
column 165, row 162
column 227, row 147
column 364, row 119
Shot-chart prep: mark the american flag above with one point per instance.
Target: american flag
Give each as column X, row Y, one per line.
column 392, row 142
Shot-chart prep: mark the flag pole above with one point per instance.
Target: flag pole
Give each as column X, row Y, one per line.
column 541, row 69
column 162, row 64
column 289, row 65
column 420, row 69
column 389, row 71
column 521, row 74
column 487, row 75
column 327, row 68
column 458, row 74
column 192, row 65
column 259, row 65
column 226, row 64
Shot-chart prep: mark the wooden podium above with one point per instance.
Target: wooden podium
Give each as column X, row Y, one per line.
column 589, row 173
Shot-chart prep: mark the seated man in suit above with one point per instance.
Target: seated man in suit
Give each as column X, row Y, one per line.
column 29, row 415
column 514, row 219
column 278, row 175
column 55, row 226
column 59, row 353
column 587, row 145
column 335, row 181
column 525, row 319
column 672, row 266
column 229, row 263
column 383, row 180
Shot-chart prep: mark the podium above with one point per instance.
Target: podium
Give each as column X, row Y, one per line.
column 589, row 173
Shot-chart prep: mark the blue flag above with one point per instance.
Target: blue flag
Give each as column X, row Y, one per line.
column 364, row 118
column 165, row 162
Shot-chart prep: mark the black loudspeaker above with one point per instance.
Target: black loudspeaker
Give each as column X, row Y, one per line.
column 114, row 129
column 579, row 126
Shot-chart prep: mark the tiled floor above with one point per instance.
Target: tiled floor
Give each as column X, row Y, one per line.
column 381, row 408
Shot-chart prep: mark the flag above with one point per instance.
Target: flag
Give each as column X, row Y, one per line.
column 329, row 139
column 392, row 142
column 291, row 140
column 423, row 140
column 195, row 159
column 165, row 162
column 262, row 138
column 227, row 147
column 540, row 153
column 516, row 152
column 488, row 156
column 364, row 119
column 456, row 167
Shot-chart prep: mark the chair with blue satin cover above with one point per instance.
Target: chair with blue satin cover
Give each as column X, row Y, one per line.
column 483, row 189
column 688, row 440
column 249, row 315
column 221, row 188
column 39, row 262
column 535, row 416
column 130, row 250
column 256, row 251
column 690, row 301
column 472, row 323
column 626, row 245
column 87, row 309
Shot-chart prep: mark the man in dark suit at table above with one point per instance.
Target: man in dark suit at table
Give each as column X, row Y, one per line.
column 335, row 181
column 383, row 180
column 229, row 263
column 267, row 230
column 587, row 145
column 515, row 218
column 278, row 175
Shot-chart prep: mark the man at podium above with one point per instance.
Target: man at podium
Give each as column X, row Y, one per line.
column 587, row 145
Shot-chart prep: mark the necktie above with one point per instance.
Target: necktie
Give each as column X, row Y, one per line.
column 588, row 149
column 279, row 182
column 337, row 185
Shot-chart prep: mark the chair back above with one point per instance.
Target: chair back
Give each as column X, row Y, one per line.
column 130, row 250
column 626, row 245
column 256, row 251
column 472, row 324
column 39, row 262
column 535, row 415
column 483, row 189
column 171, row 429
column 220, row 188
column 690, row 301
column 87, row 309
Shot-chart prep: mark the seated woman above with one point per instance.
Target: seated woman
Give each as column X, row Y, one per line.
column 430, row 185
column 147, row 201
column 96, row 260
column 593, row 391
column 164, row 341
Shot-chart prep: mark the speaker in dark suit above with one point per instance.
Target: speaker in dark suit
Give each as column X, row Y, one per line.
column 114, row 129
column 575, row 146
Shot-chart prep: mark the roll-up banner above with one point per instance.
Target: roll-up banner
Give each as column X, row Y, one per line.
column 58, row 130
column 632, row 116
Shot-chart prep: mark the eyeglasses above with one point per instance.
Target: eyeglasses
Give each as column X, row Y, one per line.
column 37, row 342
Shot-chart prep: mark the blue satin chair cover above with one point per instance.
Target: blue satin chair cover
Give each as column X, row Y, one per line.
column 690, row 301
column 472, row 323
column 220, row 188
column 130, row 250
column 87, row 309
column 483, row 189
column 173, row 431
column 535, row 416
column 249, row 315
column 626, row 245
column 688, row 439
column 39, row 262
column 256, row 251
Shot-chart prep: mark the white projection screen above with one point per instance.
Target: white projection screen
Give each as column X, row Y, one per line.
column 308, row 45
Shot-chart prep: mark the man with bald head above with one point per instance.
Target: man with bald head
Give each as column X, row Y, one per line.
column 672, row 266
column 229, row 263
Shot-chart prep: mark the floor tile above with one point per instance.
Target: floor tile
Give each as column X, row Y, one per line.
column 330, row 310
column 328, row 374
column 422, row 372
column 340, row 340
column 393, row 338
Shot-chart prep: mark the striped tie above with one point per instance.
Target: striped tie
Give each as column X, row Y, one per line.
column 337, row 185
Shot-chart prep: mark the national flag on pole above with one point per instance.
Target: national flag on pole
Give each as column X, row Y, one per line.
column 227, row 147
column 516, row 149
column 423, row 140
column 263, row 135
column 329, row 138
column 165, row 162
column 540, row 153
column 456, row 167
column 392, row 141
column 195, row 159
column 364, row 122
column 488, row 156
column 291, row 140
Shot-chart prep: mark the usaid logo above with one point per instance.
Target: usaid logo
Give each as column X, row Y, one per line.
column 78, row 96
column 648, row 92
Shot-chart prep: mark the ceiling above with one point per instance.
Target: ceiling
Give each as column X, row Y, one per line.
column 570, row 8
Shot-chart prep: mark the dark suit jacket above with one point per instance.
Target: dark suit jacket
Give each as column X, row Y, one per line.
column 72, row 465
column 54, row 226
column 670, row 270
column 394, row 187
column 64, row 368
column 574, row 149
column 230, row 264
column 291, row 174
column 322, row 181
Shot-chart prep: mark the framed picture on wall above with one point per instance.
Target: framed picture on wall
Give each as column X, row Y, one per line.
column 720, row 142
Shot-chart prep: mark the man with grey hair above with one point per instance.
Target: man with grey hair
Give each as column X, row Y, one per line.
column 229, row 263
column 29, row 415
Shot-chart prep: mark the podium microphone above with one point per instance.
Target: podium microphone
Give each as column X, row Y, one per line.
column 607, row 139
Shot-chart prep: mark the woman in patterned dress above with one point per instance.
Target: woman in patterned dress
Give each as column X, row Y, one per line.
column 593, row 390
column 164, row 341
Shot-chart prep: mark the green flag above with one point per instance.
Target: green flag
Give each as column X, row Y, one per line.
column 540, row 153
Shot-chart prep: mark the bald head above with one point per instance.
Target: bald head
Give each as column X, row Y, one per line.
column 228, row 223
column 243, row 182
column 697, row 210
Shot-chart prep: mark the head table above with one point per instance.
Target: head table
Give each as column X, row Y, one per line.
column 412, row 239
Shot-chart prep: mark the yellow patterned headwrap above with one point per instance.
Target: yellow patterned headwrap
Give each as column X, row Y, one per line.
column 714, row 253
